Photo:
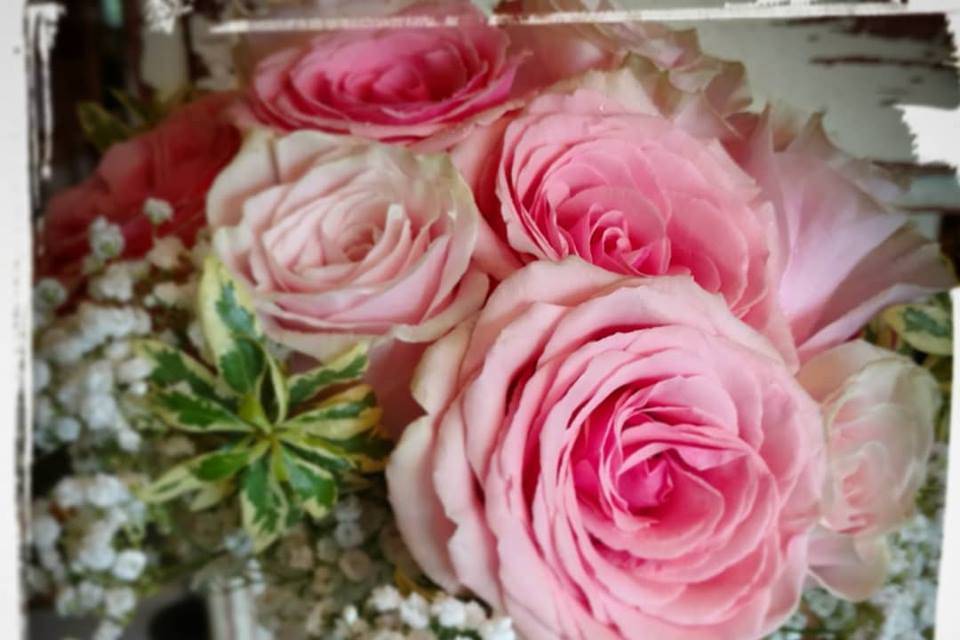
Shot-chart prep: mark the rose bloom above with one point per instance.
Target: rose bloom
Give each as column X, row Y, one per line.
column 611, row 457
column 879, row 410
column 846, row 251
column 392, row 84
column 174, row 163
column 341, row 239
column 614, row 171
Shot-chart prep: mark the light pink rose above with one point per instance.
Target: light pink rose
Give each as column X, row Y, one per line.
column 847, row 253
column 633, row 180
column 400, row 85
column 611, row 457
column 340, row 239
column 879, row 410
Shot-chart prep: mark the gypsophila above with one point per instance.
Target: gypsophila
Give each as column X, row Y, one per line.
column 157, row 210
column 106, row 240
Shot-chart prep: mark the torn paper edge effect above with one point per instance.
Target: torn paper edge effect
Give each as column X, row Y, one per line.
column 15, row 331
column 931, row 128
column 757, row 10
column 42, row 21
column 936, row 134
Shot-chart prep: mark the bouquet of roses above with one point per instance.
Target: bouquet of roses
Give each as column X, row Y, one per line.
column 456, row 331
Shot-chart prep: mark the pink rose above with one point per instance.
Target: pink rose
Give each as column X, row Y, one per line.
column 174, row 163
column 341, row 239
column 846, row 252
column 393, row 84
column 879, row 410
column 611, row 457
column 631, row 180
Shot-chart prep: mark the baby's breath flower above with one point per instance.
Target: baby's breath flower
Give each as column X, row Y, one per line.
column 129, row 564
column 157, row 210
column 119, row 601
column 106, row 240
column 166, row 253
column 49, row 294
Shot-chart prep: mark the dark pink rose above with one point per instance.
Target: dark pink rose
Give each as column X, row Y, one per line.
column 173, row 164
column 400, row 85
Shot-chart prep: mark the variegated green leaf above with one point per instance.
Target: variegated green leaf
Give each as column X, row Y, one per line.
column 227, row 462
column 347, row 367
column 175, row 482
column 314, row 486
column 274, row 393
column 926, row 328
column 263, row 505
column 314, row 450
column 230, row 328
column 211, row 494
column 341, row 416
column 100, row 127
column 172, row 366
column 189, row 412
column 367, row 451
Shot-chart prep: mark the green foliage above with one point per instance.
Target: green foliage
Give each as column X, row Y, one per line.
column 103, row 128
column 280, row 464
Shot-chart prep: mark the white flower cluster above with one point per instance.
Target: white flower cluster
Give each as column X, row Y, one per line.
column 85, row 543
column 388, row 615
column 87, row 381
column 346, row 592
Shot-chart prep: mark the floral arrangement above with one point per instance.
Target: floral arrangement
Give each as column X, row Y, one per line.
column 448, row 332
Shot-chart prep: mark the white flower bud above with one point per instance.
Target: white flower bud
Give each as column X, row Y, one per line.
column 105, row 491
column 129, row 440
column 45, row 531
column 98, row 377
column 69, row 493
column 49, row 294
column 119, row 601
column 157, row 210
column 497, row 629
column 67, row 428
column 66, row 601
column 117, row 350
column 414, row 611
column 108, row 630
column 41, row 375
column 385, row 598
column 449, row 612
column 129, row 564
column 106, row 240
column 134, row 370
column 98, row 557
column 89, row 595
column 115, row 283
column 99, row 411
column 43, row 412
column 169, row 294
column 166, row 253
